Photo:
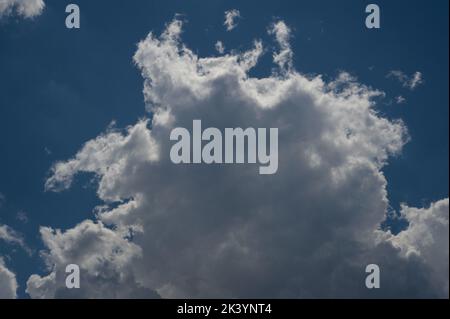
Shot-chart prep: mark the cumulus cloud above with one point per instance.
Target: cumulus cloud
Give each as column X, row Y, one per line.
column 224, row 230
column 24, row 8
column 231, row 17
column 104, row 258
column 102, row 153
column 427, row 238
column 8, row 282
column 410, row 82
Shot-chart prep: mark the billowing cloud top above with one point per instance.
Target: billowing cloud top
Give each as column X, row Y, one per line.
column 427, row 237
column 25, row 8
column 226, row 231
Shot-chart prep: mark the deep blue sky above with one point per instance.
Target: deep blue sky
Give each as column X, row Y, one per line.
column 60, row 88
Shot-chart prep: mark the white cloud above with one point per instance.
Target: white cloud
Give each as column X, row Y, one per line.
column 408, row 82
column 230, row 19
column 226, row 231
column 220, row 47
column 400, row 99
column 427, row 237
column 104, row 257
column 24, row 8
column 101, row 154
column 282, row 34
column 416, row 80
column 8, row 282
column 10, row 236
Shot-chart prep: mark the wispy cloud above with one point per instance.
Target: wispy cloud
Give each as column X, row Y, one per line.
column 13, row 237
column 220, row 47
column 282, row 35
column 400, row 99
column 410, row 82
column 230, row 19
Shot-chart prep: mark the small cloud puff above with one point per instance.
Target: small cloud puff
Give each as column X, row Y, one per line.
column 410, row 82
column 400, row 99
column 230, row 19
column 220, row 47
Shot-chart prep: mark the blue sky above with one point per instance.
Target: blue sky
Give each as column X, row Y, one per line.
column 61, row 87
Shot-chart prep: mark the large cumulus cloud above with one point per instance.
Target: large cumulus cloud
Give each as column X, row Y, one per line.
column 224, row 230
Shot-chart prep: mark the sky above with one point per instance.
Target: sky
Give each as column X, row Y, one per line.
column 137, row 223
